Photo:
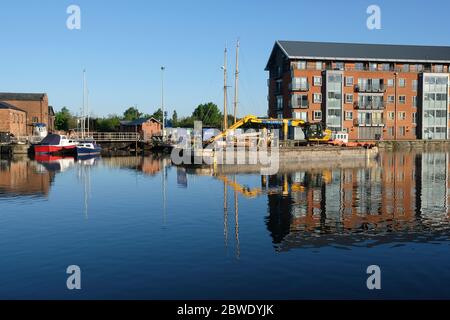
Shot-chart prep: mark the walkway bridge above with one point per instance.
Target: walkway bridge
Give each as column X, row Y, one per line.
column 110, row 137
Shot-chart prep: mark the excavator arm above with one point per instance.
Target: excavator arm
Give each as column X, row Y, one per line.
column 237, row 125
column 313, row 132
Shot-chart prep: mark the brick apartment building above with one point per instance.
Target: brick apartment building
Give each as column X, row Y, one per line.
column 389, row 92
column 34, row 105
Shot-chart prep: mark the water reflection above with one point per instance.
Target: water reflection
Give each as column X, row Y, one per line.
column 19, row 177
column 399, row 194
column 406, row 193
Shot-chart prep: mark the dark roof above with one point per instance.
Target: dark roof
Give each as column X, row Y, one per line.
column 355, row 51
column 7, row 96
column 137, row 122
column 4, row 105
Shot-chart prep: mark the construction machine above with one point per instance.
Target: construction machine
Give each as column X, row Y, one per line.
column 314, row 132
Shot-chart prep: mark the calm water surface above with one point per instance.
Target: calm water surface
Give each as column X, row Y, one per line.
column 140, row 228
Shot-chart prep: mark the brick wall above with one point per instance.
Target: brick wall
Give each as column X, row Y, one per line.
column 13, row 121
column 37, row 112
column 151, row 128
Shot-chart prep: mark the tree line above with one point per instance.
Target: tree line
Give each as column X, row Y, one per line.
column 208, row 113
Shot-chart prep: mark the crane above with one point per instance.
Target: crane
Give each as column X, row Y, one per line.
column 314, row 132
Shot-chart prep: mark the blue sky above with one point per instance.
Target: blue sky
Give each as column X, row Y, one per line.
column 122, row 44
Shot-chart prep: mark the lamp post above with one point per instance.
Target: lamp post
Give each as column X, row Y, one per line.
column 162, row 103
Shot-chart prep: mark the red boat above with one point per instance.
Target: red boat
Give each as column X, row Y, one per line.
column 55, row 143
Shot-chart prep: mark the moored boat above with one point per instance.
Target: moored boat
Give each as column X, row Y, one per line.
column 88, row 148
column 56, row 144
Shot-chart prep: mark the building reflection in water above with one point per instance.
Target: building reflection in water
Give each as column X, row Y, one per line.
column 34, row 177
column 24, row 178
column 405, row 193
column 149, row 165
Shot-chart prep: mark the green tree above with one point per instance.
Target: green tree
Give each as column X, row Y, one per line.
column 131, row 114
column 64, row 120
column 209, row 114
column 108, row 124
column 187, row 122
column 158, row 115
column 174, row 119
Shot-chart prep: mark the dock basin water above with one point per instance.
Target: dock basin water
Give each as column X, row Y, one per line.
column 142, row 228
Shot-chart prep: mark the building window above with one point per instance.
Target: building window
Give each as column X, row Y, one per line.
column 359, row 66
column 317, row 81
column 402, row 82
column 439, row 68
column 339, row 66
column 300, row 83
column 391, row 131
column 279, row 102
column 348, row 81
column 391, row 99
column 415, row 85
column 301, row 65
column 299, row 101
column 373, row 67
column 414, row 117
column 386, row 67
column 298, row 115
column 280, row 115
column 391, row 115
column 319, row 65
column 418, row 67
column 317, row 98
column 405, row 68
column 349, row 98
column 414, row 101
column 390, row 82
column 402, row 115
column 35, row 120
column 317, row 115
column 402, row 99
column 402, row 131
column 348, row 115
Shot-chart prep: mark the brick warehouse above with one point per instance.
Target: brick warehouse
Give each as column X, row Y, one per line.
column 12, row 120
column 35, row 106
column 389, row 92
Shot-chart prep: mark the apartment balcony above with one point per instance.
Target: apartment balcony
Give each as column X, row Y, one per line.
column 369, row 105
column 370, row 124
column 357, row 123
column 370, row 88
column 302, row 88
column 303, row 105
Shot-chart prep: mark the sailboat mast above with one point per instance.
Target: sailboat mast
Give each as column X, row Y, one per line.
column 162, row 104
column 225, row 88
column 87, row 109
column 83, row 124
column 236, row 83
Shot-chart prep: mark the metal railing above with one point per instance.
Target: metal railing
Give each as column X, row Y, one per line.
column 26, row 139
column 116, row 136
column 370, row 88
column 370, row 105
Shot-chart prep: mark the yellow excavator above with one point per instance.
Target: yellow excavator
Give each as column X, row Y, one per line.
column 314, row 132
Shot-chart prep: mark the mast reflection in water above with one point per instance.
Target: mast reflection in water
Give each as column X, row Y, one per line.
column 140, row 228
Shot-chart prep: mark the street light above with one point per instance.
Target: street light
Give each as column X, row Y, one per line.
column 162, row 102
